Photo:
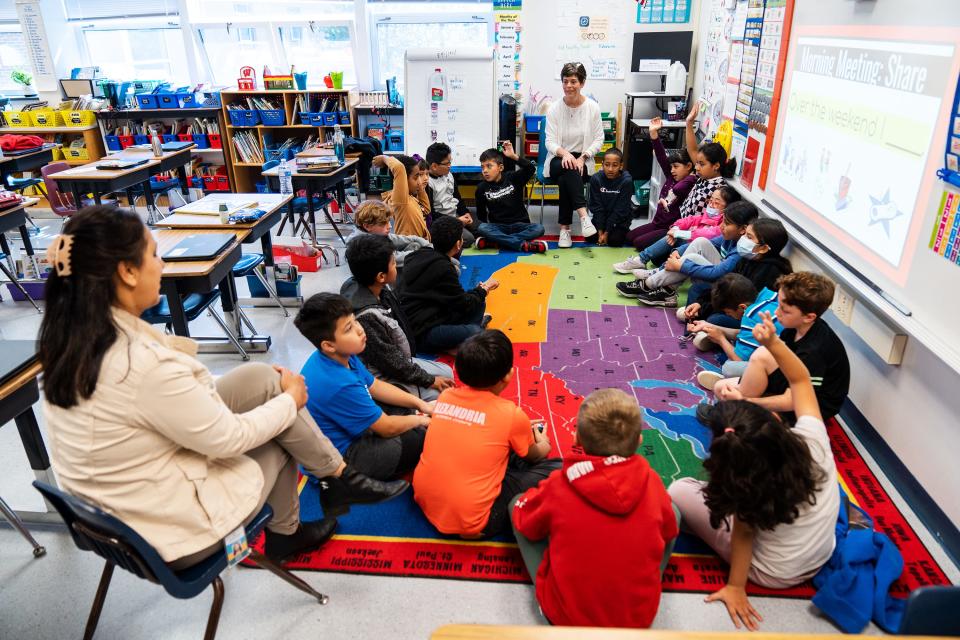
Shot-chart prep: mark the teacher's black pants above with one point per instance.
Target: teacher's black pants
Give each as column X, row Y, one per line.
column 570, row 184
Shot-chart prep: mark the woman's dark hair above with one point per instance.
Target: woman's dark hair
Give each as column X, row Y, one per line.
column 484, row 359
column 716, row 154
column 729, row 194
column 761, row 472
column 679, row 156
column 574, row 69
column 368, row 255
column 771, row 233
column 78, row 327
column 740, row 213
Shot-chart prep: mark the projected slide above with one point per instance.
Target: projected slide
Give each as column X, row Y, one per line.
column 856, row 133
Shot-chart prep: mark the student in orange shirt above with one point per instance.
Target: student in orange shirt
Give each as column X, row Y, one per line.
column 481, row 450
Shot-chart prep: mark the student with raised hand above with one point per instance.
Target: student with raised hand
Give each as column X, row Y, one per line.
column 408, row 198
column 770, row 507
column 140, row 427
column 503, row 217
column 711, row 164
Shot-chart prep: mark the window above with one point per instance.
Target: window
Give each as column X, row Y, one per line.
column 229, row 48
column 95, row 9
column 395, row 35
column 12, row 57
column 276, row 10
column 319, row 50
column 143, row 54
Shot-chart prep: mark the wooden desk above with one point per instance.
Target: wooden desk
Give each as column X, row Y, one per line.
column 180, row 279
column 314, row 182
column 272, row 203
column 25, row 162
column 88, row 179
column 13, row 218
column 496, row 632
column 19, row 391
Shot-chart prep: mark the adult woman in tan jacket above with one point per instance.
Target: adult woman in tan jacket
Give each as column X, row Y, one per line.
column 140, row 428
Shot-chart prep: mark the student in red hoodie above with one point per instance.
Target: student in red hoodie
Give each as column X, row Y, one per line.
column 605, row 523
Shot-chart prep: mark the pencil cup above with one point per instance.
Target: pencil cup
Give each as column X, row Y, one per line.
column 337, row 78
column 301, row 80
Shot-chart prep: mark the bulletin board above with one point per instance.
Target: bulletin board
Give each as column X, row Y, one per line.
column 715, row 61
column 466, row 116
column 592, row 32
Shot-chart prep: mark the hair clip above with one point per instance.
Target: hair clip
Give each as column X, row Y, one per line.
column 58, row 254
column 728, row 430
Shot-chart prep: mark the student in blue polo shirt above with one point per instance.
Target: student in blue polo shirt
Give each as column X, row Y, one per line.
column 344, row 396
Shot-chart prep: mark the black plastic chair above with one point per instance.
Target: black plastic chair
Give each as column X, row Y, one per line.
column 97, row 531
column 932, row 611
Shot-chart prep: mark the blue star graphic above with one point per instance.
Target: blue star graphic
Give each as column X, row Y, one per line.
column 885, row 213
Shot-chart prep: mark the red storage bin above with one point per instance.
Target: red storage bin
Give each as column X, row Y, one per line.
column 222, row 182
column 302, row 263
column 215, row 141
column 125, row 141
column 185, row 137
column 531, row 147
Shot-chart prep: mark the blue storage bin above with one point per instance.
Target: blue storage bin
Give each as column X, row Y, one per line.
column 169, row 137
column 311, row 118
column 329, row 118
column 187, row 100
column 262, row 187
column 273, row 117
column 275, row 154
column 201, row 140
column 284, row 289
column 244, row 118
column 113, row 143
column 394, row 141
column 533, row 124
column 167, row 101
column 209, row 99
column 147, row 101
column 138, row 139
column 343, row 117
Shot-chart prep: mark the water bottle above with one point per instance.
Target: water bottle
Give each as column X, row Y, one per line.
column 338, row 144
column 286, row 178
column 155, row 144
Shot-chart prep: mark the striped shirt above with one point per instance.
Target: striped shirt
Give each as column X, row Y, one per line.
column 746, row 344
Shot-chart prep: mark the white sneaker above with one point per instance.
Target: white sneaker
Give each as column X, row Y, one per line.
column 643, row 274
column 703, row 342
column 628, row 265
column 586, row 227
column 682, row 314
column 708, row 379
column 566, row 241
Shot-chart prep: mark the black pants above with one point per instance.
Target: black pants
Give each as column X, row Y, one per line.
column 570, row 184
column 521, row 475
column 386, row 458
column 616, row 237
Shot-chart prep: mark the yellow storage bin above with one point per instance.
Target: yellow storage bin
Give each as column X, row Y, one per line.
column 76, row 153
column 78, row 118
column 46, row 118
column 57, row 153
column 18, row 118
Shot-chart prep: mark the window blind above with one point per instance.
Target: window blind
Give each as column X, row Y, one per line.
column 92, row 9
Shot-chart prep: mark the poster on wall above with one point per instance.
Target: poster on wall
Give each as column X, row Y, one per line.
column 590, row 32
column 37, row 45
column 777, row 17
column 715, row 64
column 663, row 11
column 945, row 239
column 507, row 41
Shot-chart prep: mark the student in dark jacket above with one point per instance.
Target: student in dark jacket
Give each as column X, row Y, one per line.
column 761, row 263
column 504, row 221
column 391, row 344
column 678, row 180
column 610, row 205
column 441, row 313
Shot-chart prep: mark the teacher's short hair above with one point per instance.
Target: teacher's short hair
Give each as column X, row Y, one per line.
column 574, row 69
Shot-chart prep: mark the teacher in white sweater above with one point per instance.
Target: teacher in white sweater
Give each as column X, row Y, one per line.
column 574, row 136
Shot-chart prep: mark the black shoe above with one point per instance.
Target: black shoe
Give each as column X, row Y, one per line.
column 487, row 318
column 662, row 297
column 705, row 414
column 632, row 289
column 352, row 487
column 310, row 536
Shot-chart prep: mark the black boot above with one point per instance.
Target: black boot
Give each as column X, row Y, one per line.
column 309, row 536
column 352, row 487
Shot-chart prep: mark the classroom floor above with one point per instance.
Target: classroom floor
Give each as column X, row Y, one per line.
column 50, row 597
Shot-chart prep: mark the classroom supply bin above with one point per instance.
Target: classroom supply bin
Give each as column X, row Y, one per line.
column 531, row 147
column 57, row 153
column 394, row 141
column 147, row 100
column 304, row 264
column 377, row 131
column 244, row 117
column 609, row 122
column 125, row 141
column 273, row 117
column 168, row 137
column 311, row 118
column 187, row 100
column 84, row 118
column 113, row 143
column 141, row 139
column 185, row 137
column 215, row 141
column 329, row 118
column 201, row 140
column 343, row 117
column 46, row 118
column 284, row 289
column 167, row 101
column 271, row 154
column 641, row 190
column 76, row 153
column 533, row 124
column 18, row 118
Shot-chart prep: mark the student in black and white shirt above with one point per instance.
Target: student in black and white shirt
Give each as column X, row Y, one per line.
column 504, row 221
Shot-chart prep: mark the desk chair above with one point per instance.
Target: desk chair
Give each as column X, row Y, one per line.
column 541, row 179
column 97, row 531
column 17, row 523
column 22, row 184
column 61, row 202
column 932, row 611
column 159, row 188
column 193, row 306
column 247, row 265
column 12, row 277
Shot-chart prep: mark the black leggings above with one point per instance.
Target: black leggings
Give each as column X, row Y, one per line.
column 570, row 184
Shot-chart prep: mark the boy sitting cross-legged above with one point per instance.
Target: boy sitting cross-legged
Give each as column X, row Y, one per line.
column 481, row 450
column 504, row 221
column 373, row 217
column 605, row 523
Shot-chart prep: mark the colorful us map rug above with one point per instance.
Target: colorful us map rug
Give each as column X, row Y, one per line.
column 573, row 334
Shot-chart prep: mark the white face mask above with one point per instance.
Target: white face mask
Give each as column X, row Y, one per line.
column 745, row 247
column 711, row 211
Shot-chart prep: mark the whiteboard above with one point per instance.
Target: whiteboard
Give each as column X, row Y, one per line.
column 466, row 118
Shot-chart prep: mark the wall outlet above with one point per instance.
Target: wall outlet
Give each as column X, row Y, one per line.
column 842, row 306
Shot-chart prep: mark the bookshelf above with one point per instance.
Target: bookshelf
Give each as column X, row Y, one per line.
column 244, row 175
column 65, row 135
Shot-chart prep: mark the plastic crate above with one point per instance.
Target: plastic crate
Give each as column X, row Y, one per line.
column 641, row 189
column 18, row 118
column 113, row 143
column 167, row 101
column 215, row 141
column 531, row 147
column 311, row 118
column 274, row 154
column 185, row 137
column 35, row 289
column 262, row 187
column 284, row 289
column 168, row 137
column 147, row 100
column 329, row 118
column 76, row 153
column 46, row 118
column 125, row 141
column 305, row 264
column 141, row 139
column 273, row 117
column 78, row 118
column 209, row 99
column 394, row 141
column 533, row 124
column 377, row 131
column 201, row 140
column 343, row 117
column 57, row 153
column 187, row 100
column 244, row 117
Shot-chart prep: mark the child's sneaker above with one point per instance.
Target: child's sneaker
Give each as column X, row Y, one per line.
column 708, row 379
column 534, row 246
column 628, row 265
column 682, row 314
column 632, row 289
column 586, row 227
column 703, row 342
column 643, row 274
column 483, row 243
column 566, row 240
column 662, row 297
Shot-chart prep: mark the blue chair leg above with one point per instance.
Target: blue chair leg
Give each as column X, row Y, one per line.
column 271, row 292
